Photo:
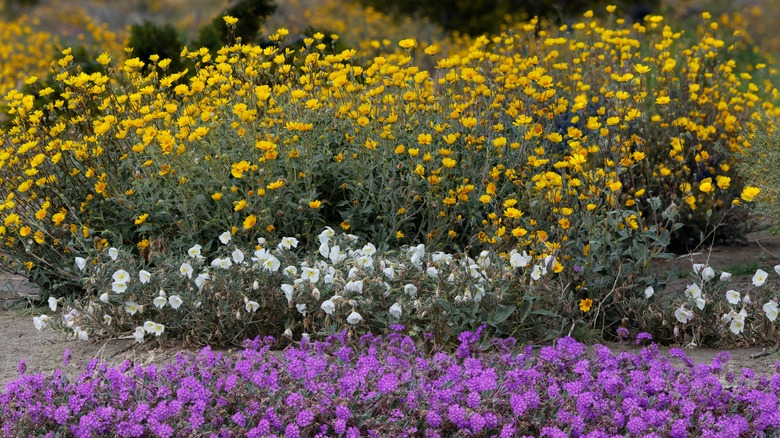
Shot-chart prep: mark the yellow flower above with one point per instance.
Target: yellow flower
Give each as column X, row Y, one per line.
column 58, row 218
column 706, row 185
column 612, row 121
column 239, row 205
column 400, row 149
column 315, row 204
column 485, row 199
column 641, row 69
column 723, row 182
column 275, row 185
column 216, row 196
column 408, row 43
column 230, row 20
column 431, row 50
column 39, row 237
column 611, row 8
column 399, row 235
column 448, row 162
column 424, row 139
column 513, row 213
column 749, row 192
column 25, row 231
column 615, row 186
column 250, row 221
column 344, row 225
column 141, row 219
column 238, row 169
column 662, row 100
column 586, row 304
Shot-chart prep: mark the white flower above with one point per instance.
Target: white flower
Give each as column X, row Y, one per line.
column 440, row 258
column 225, row 237
column 149, row 326
column 288, row 333
column 683, row 315
column 118, row 287
column 365, row 261
column 725, row 276
column 201, row 279
column 41, row 322
column 104, row 297
column 185, row 270
column 132, row 307
column 312, row 275
column 271, row 264
column 707, row 274
column 536, row 273
column 326, row 234
column 53, row 304
column 328, row 307
column 252, row 306
column 82, row 335
column 287, row 243
column 737, row 326
column 81, row 262
column 261, row 241
column 324, row 249
column 139, row 335
column 221, row 263
column 301, row 308
column 290, row 271
column 113, row 253
column 336, row 256
column 732, row 297
column 121, row 276
column 328, row 279
column 354, row 286
column 194, row 252
column 175, row 301
column 288, row 291
column 693, row 291
column 700, row 303
column 410, row 289
column 368, row 249
column 746, row 300
column 354, row 318
column 697, row 267
column 158, row 329
column 160, row 302
column 432, row 272
column 395, row 310
column 389, row 273
column 306, row 337
column 770, row 308
column 777, row 269
column 518, row 260
column 144, row 276
column 759, row 277
column 238, row 256
column 649, row 292
column 107, row 319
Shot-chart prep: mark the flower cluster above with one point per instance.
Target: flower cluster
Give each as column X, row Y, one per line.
column 378, row 386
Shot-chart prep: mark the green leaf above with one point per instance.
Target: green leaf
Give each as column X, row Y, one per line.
column 501, row 314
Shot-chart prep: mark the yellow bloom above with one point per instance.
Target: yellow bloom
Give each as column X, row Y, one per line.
column 513, row 213
column 399, row 235
column 275, row 185
column 239, row 205
column 250, row 221
column 141, row 219
column 448, row 162
column 424, row 139
column 485, row 199
column 25, row 231
column 315, row 204
column 615, row 186
column 344, row 225
column 723, row 182
column 408, row 43
column 586, row 304
column 662, row 100
column 39, row 237
column 641, row 69
column 230, row 20
column 706, row 185
column 749, row 192
column 58, row 218
column 216, row 196
column 238, row 169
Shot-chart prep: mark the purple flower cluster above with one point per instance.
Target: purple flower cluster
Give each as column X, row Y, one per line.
column 387, row 387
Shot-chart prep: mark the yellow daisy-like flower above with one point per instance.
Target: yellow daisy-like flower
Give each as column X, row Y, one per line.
column 141, row 219
column 216, row 196
column 408, row 43
column 250, row 221
column 749, row 192
column 662, row 100
column 448, row 162
column 586, row 304
column 345, row 225
column 706, row 185
column 230, row 20
column 315, row 204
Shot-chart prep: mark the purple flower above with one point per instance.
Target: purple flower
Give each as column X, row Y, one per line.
column 622, row 333
column 433, row 419
column 387, row 383
column 305, row 418
column 643, row 337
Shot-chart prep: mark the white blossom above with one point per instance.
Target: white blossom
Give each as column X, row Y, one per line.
column 81, row 263
column 113, row 253
column 175, row 301
column 354, row 318
column 328, row 307
column 759, row 277
column 225, row 237
column 395, row 310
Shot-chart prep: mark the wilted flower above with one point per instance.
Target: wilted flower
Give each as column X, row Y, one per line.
column 410, row 289
column 707, row 274
column 41, row 322
column 724, row 276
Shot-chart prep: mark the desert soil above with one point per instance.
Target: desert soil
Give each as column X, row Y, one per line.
column 43, row 351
